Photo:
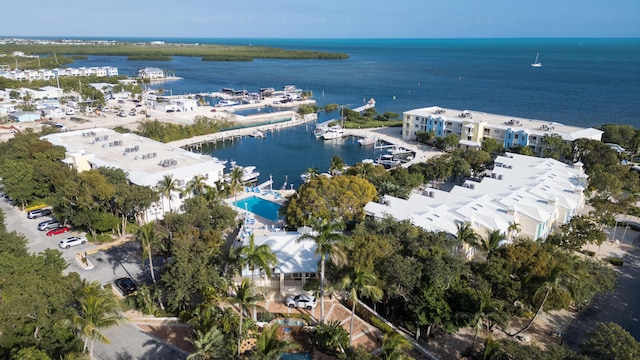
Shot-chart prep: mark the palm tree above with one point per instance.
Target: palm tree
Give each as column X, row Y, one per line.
column 556, row 283
column 165, row 187
column 98, row 309
column 260, row 256
column 209, row 346
column 360, row 282
column 331, row 337
column 269, row 347
column 216, row 192
column 196, row 185
column 328, row 238
column 395, row 347
column 246, row 298
column 257, row 256
column 465, row 236
column 148, row 237
column 514, row 228
column 235, row 180
column 364, row 169
column 312, row 172
column 337, row 164
column 490, row 244
column 489, row 310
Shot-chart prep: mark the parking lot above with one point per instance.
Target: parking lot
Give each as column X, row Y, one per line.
column 123, row 260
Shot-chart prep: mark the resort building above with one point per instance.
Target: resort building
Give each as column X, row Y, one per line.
column 474, row 127
column 296, row 262
column 46, row 74
column 178, row 105
column 145, row 161
column 150, row 73
column 537, row 194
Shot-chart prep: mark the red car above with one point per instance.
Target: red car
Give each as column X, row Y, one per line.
column 58, row 231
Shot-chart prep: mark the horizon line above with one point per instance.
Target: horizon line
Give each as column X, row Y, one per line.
column 319, row 38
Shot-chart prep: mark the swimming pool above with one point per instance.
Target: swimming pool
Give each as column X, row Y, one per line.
column 259, row 206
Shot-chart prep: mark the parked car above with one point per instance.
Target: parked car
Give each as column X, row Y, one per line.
column 126, row 285
column 48, row 225
column 71, row 241
column 34, row 214
column 58, row 231
column 301, row 301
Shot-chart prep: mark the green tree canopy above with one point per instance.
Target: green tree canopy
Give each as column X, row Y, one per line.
column 609, row 341
column 340, row 197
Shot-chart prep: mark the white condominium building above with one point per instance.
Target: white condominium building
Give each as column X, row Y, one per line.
column 145, row 161
column 537, row 194
column 474, row 127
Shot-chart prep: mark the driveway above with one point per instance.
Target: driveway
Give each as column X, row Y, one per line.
column 127, row 341
column 620, row 306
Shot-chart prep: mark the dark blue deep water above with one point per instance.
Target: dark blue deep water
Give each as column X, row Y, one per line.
column 583, row 82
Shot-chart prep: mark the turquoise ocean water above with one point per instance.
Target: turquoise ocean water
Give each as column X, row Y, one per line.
column 583, row 82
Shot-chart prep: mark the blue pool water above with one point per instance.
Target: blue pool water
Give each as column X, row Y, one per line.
column 259, row 206
column 296, row 356
column 290, row 322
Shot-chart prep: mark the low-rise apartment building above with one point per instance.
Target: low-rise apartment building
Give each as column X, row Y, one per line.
column 473, row 127
column 537, row 194
column 145, row 161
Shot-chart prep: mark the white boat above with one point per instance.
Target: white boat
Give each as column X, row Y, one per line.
column 334, row 132
column 249, row 174
column 536, row 63
column 319, row 131
column 367, row 161
column 227, row 103
column 258, row 134
column 388, row 161
column 368, row 140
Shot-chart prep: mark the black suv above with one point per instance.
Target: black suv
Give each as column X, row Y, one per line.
column 126, row 285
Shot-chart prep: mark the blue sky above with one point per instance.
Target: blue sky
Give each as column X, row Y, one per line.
column 323, row 18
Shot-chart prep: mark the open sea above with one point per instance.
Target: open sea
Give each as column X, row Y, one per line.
column 583, row 82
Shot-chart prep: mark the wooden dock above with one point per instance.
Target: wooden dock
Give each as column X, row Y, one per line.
column 196, row 143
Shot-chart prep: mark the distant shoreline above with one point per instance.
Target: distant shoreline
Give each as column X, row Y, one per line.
column 160, row 50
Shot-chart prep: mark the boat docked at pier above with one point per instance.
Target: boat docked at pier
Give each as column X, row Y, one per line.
column 249, row 173
column 258, row 134
column 333, row 132
column 227, row 102
column 388, row 161
column 368, row 140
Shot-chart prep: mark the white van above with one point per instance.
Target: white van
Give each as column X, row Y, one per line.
column 70, row 111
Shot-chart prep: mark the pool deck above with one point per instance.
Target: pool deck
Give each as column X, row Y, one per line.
column 253, row 223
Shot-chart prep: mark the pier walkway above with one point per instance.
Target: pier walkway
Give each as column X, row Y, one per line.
column 232, row 135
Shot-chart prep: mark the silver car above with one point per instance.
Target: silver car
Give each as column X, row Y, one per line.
column 72, row 241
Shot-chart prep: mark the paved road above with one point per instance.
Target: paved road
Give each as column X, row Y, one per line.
column 622, row 306
column 127, row 341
